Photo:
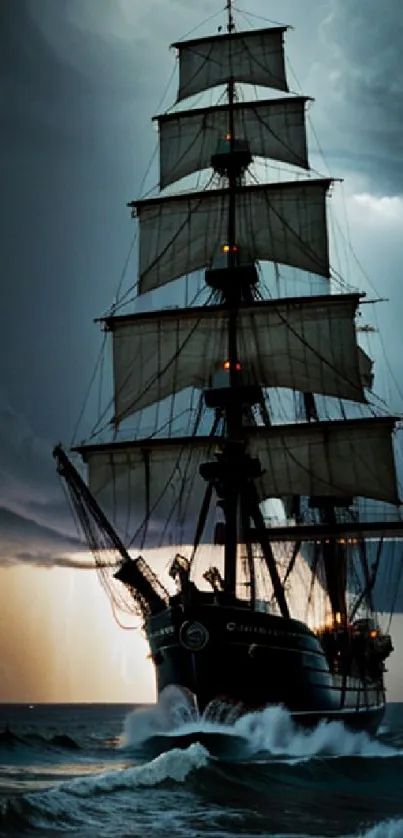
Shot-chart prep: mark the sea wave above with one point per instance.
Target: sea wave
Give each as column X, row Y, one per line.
column 325, row 781
column 188, row 787
column 65, row 804
column 385, row 829
column 173, row 765
column 270, row 732
column 11, row 741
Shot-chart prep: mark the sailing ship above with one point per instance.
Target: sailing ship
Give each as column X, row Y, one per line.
column 275, row 500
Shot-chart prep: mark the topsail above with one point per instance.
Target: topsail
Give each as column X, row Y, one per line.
column 255, row 57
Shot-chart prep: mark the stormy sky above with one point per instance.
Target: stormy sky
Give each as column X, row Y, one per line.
column 80, row 80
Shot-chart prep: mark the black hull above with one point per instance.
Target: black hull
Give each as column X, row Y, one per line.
column 254, row 659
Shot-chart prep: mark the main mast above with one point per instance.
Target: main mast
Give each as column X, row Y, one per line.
column 231, row 296
column 232, row 174
column 235, row 471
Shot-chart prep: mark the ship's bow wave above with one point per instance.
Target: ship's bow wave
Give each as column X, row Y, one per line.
column 269, row 734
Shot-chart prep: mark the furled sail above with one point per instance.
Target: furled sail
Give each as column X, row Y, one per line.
column 305, row 343
column 273, row 128
column 160, row 477
column 283, row 223
column 255, row 57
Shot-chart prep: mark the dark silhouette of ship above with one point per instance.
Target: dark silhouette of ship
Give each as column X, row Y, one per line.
column 279, row 501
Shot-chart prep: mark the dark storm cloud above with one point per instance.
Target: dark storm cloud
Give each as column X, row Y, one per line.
column 77, row 91
column 35, row 523
column 25, row 541
column 363, row 99
column 62, row 193
column 67, row 144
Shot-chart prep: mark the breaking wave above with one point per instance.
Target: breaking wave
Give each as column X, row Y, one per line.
column 67, row 803
column 385, row 829
column 307, row 781
column 270, row 732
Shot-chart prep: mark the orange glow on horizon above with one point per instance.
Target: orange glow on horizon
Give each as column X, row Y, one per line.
column 59, row 641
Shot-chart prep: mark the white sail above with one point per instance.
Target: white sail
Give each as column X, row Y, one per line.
column 308, row 344
column 283, row 223
column 273, row 128
column 255, row 57
column 160, row 477
column 345, row 458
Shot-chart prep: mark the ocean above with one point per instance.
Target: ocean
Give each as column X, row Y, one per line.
column 79, row 771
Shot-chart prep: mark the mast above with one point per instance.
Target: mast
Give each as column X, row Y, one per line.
column 232, row 180
column 231, row 501
column 231, row 292
column 239, row 467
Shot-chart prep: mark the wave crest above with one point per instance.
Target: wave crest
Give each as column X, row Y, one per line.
column 66, row 803
column 271, row 731
column 10, row 741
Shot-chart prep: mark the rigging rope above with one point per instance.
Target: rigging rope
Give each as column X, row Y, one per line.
column 246, row 15
column 89, row 388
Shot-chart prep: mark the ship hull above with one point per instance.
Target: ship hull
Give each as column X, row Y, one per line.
column 254, row 659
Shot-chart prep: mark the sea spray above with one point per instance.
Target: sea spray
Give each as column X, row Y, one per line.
column 385, row 829
column 175, row 708
column 271, row 731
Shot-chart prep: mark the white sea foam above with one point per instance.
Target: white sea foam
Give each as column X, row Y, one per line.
column 271, row 731
column 385, row 829
column 173, row 711
column 274, row 731
column 73, row 802
column 174, row 765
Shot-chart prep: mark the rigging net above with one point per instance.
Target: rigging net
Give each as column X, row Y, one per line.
column 142, row 593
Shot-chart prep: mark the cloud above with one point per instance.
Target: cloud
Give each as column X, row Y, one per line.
column 24, row 541
column 35, row 522
column 112, row 45
column 27, row 471
column 363, row 96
